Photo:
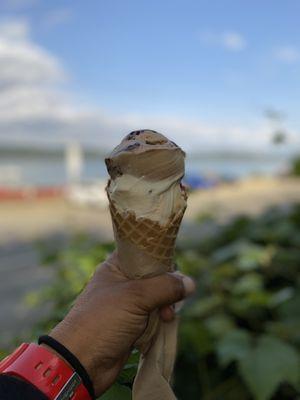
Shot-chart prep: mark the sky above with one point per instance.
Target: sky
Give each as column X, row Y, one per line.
column 202, row 72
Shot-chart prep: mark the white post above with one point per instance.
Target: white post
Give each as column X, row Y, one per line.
column 74, row 162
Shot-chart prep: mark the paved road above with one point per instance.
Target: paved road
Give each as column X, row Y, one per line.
column 19, row 274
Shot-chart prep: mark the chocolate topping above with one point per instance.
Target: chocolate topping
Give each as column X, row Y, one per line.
column 146, row 153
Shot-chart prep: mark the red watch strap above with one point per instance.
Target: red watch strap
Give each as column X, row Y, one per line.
column 46, row 371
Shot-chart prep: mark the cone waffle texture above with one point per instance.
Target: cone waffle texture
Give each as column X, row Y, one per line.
column 155, row 240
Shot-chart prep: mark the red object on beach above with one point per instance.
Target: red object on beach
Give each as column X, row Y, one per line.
column 31, row 193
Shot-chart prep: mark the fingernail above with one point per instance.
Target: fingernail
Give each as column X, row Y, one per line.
column 189, row 285
column 178, row 306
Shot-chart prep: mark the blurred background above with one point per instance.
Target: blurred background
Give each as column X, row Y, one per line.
column 221, row 79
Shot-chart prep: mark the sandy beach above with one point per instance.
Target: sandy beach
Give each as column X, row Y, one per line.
column 250, row 196
column 32, row 220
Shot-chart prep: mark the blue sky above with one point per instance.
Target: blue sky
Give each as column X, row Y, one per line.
column 202, row 71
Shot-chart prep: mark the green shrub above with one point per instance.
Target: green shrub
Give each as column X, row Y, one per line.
column 239, row 336
column 296, row 166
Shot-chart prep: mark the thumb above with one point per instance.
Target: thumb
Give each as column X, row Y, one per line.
column 165, row 289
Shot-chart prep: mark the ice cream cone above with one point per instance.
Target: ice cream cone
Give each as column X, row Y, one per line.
column 147, row 203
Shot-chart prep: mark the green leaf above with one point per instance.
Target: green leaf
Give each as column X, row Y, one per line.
column 290, row 309
column 224, row 271
column 253, row 303
column 133, row 358
column 258, row 299
column 252, row 257
column 234, row 346
column 205, row 306
column 195, row 339
column 281, row 296
column 128, row 372
column 219, row 324
column 287, row 330
column 117, row 392
column 3, row 354
column 269, row 364
column 252, row 282
column 191, row 263
column 230, row 251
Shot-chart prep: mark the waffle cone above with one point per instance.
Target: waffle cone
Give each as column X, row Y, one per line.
column 155, row 241
column 145, row 249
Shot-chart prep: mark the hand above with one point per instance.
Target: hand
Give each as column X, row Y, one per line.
column 112, row 313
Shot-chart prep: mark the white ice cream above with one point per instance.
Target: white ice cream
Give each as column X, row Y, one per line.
column 146, row 170
column 156, row 200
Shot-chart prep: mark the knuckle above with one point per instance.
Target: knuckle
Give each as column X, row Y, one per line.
column 134, row 289
column 138, row 295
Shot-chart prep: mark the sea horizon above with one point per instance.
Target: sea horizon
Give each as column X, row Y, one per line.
column 27, row 165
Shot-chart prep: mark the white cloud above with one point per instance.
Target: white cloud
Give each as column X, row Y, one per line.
column 233, row 41
column 288, row 54
column 230, row 40
column 198, row 134
column 35, row 107
column 22, row 61
column 16, row 30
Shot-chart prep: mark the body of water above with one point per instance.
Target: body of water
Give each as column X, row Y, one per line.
column 49, row 170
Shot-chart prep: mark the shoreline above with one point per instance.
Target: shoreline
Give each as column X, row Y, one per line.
column 249, row 196
column 35, row 219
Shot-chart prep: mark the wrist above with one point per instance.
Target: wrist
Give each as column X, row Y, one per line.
column 100, row 369
column 43, row 369
column 59, row 350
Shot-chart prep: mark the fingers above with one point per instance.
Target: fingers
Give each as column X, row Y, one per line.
column 167, row 313
column 164, row 290
column 158, row 292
